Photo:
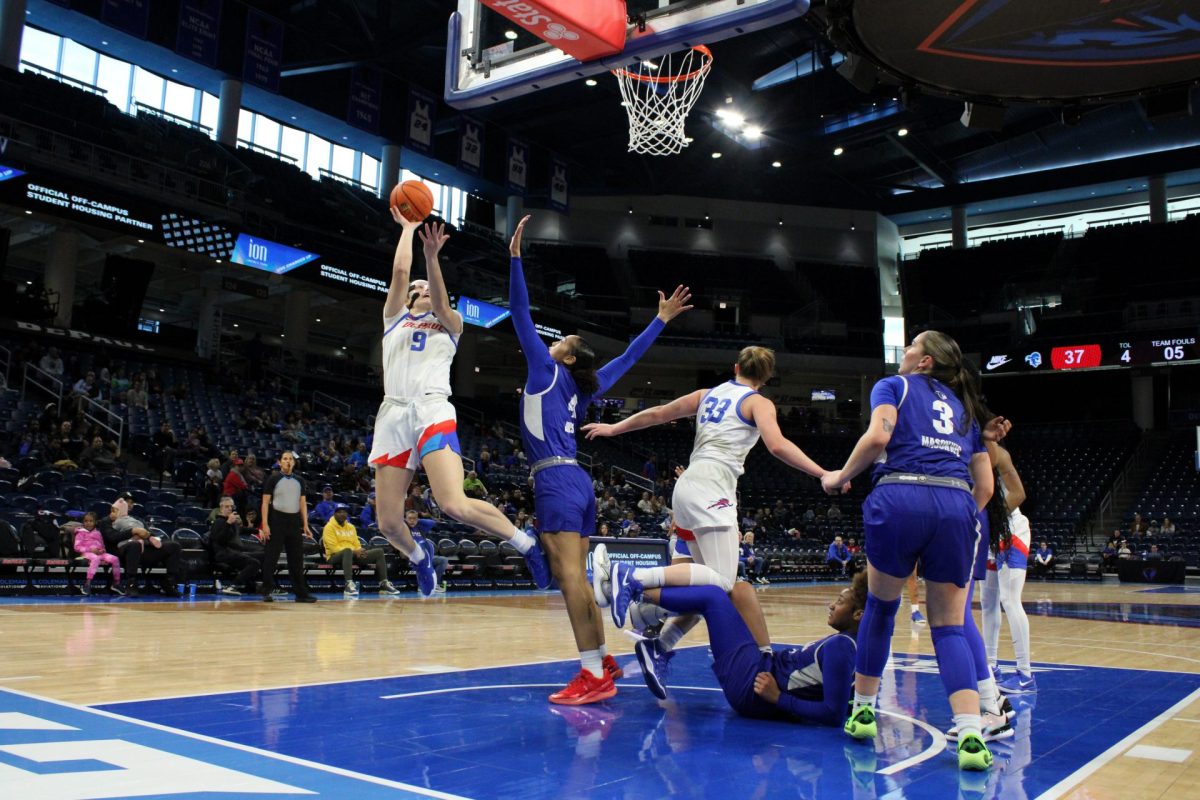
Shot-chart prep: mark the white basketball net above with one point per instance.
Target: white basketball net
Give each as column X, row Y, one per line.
column 658, row 95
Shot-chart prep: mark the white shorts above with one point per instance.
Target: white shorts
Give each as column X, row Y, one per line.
column 407, row 432
column 705, row 497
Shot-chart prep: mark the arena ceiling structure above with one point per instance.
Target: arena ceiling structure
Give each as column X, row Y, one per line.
column 1066, row 97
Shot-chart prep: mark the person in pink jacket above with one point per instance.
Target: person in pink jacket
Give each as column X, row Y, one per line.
column 89, row 543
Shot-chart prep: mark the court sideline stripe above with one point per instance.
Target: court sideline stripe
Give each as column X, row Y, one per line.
column 1076, row 777
column 421, row 790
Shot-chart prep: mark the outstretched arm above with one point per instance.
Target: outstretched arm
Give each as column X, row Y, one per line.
column 668, row 309
column 401, row 267
column 537, row 356
column 869, row 447
column 434, row 237
column 761, row 412
column 685, row 406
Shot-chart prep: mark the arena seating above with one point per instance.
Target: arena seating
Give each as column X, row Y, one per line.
column 1173, row 490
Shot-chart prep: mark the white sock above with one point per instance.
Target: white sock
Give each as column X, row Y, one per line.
column 675, row 629
column 651, row 577
column 916, row 607
column 593, row 662
column 522, row 541
column 863, row 699
column 968, row 723
column 989, row 696
column 765, row 649
column 603, row 648
column 417, row 554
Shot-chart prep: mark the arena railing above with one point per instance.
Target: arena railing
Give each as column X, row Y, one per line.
column 322, row 400
column 105, row 418
column 1105, row 508
column 27, row 66
column 633, row 479
column 42, row 380
column 6, row 365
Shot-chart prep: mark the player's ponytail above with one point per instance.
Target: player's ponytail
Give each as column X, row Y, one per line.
column 999, row 533
column 955, row 371
column 583, row 370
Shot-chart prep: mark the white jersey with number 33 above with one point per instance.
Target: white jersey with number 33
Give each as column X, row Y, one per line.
column 417, row 353
column 722, row 433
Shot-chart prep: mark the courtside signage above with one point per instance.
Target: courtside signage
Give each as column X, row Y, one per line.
column 253, row 251
column 9, row 172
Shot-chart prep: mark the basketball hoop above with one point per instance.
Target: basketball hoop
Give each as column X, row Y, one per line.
column 658, row 95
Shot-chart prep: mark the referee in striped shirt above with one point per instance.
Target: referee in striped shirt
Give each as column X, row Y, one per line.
column 285, row 523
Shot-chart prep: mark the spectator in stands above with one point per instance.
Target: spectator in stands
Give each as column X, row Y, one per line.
column 358, row 459
column 630, row 526
column 1108, row 556
column 213, row 482
column 809, row 515
column 1123, row 551
column 834, row 512
column 1168, row 527
column 41, row 536
column 89, row 543
column 225, row 542
column 750, row 565
column 325, row 508
column 473, row 487
column 838, row 557
column 69, row 440
column 602, row 529
column 227, row 464
column 1043, row 560
column 100, row 457
column 165, row 445
column 660, row 505
column 484, row 464
column 86, row 388
column 137, row 397
column 52, row 363
column 235, row 486
column 368, row 519
column 609, row 507
column 650, row 469
column 1153, row 554
column 342, row 546
column 1138, row 525
column 414, row 501
column 1152, row 529
column 646, row 504
column 253, row 473
column 750, row 520
column 522, row 460
column 125, row 536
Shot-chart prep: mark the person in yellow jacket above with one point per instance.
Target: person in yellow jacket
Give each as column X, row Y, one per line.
column 341, row 543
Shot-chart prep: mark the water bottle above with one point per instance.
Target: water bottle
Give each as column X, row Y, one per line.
column 179, row 588
column 192, row 591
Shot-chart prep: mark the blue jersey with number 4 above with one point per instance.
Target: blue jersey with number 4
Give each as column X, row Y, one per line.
column 929, row 438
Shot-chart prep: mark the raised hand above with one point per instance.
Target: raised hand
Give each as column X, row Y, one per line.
column 433, row 236
column 671, row 307
column 514, row 246
column 996, row 429
column 404, row 221
column 597, row 429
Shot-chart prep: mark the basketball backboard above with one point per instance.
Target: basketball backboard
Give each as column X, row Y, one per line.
column 489, row 59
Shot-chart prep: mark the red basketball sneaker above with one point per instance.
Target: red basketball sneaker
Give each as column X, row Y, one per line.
column 613, row 668
column 584, row 689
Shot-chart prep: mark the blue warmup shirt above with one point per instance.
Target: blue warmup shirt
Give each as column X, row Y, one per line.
column 837, row 552
column 551, row 405
column 815, row 681
column 929, row 438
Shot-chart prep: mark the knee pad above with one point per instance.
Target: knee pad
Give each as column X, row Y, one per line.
column 875, row 635
column 955, row 662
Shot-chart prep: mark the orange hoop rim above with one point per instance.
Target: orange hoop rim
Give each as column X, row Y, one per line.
column 621, row 72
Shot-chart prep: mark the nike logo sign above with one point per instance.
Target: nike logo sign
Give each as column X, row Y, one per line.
column 998, row 361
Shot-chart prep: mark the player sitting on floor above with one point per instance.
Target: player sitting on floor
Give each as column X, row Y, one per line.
column 812, row 683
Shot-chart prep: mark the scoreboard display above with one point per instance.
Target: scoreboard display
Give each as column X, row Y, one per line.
column 1102, row 352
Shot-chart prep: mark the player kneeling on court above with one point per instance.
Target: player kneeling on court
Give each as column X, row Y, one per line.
column 813, row 683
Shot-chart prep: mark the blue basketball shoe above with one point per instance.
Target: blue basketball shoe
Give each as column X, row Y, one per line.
column 625, row 589
column 426, row 574
column 1019, row 683
column 655, row 661
column 539, row 570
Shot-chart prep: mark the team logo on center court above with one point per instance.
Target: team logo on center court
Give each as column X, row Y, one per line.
column 722, row 503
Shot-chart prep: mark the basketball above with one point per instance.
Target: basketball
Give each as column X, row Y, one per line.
column 413, row 199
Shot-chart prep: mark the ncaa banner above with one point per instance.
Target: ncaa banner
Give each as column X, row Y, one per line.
column 366, row 92
column 518, row 166
column 131, row 16
column 470, row 145
column 199, row 30
column 264, row 51
column 559, row 185
column 422, row 109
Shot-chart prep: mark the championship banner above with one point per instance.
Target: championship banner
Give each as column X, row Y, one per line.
column 559, row 185
column 470, row 145
column 199, row 30
column 422, row 109
column 131, row 16
column 264, row 51
column 366, row 93
column 518, row 166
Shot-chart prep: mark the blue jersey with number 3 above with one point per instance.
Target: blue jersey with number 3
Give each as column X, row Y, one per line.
column 929, row 438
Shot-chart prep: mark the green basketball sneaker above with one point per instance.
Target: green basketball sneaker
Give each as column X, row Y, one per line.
column 973, row 753
column 861, row 724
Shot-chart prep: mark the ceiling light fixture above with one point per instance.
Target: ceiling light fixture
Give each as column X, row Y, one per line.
column 716, row 155
column 902, row 132
column 590, row 82
column 776, row 164
column 510, row 35
column 753, row 132
column 837, row 151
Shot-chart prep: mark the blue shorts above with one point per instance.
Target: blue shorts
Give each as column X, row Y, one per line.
column 564, row 501
column 979, row 565
column 936, row 525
